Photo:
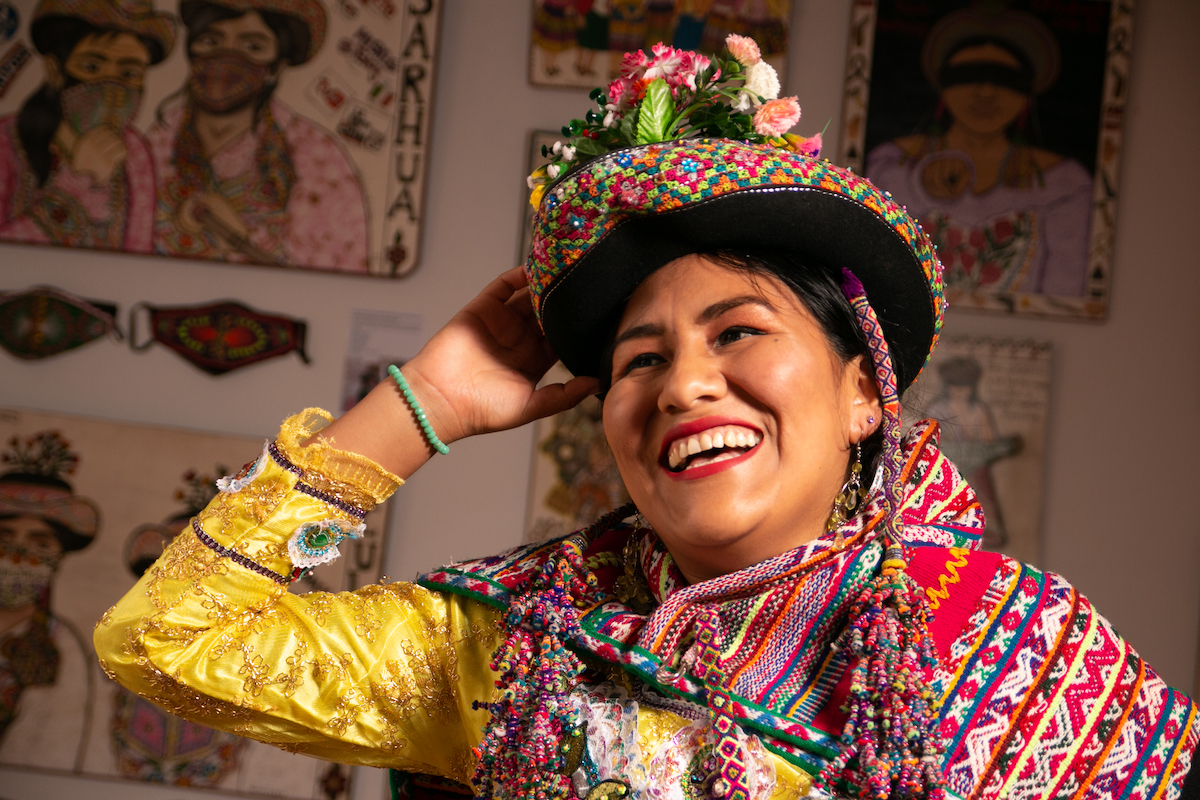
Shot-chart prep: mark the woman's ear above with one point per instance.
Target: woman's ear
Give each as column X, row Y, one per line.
column 866, row 410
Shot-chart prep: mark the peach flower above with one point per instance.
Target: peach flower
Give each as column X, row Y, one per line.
column 744, row 49
column 777, row 117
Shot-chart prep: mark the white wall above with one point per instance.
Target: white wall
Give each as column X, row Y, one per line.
column 1123, row 446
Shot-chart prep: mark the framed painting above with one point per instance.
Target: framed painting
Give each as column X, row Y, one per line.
column 992, row 399
column 580, row 43
column 574, row 477
column 997, row 123
column 86, row 506
column 287, row 133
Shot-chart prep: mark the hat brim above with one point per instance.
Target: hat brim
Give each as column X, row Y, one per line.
column 582, row 309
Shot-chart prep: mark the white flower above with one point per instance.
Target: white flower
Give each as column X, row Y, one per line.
column 568, row 153
column 762, row 80
column 530, row 182
column 610, row 120
column 558, row 146
column 744, row 101
column 553, row 170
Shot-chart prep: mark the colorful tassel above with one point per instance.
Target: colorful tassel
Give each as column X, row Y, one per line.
column 521, row 756
column 890, row 748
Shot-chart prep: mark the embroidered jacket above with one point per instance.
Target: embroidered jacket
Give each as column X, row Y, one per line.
column 1039, row 696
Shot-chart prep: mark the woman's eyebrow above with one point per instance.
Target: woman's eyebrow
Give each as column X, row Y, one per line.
column 717, row 309
column 638, row 332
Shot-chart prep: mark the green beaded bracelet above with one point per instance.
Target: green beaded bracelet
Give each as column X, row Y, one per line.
column 422, row 420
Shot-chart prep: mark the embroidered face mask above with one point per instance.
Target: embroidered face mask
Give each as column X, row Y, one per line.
column 23, row 578
column 226, row 81
column 44, row 322
column 89, row 105
column 221, row 337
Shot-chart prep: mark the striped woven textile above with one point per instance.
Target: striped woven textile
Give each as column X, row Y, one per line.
column 1040, row 698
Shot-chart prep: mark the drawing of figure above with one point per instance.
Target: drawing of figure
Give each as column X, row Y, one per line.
column 722, row 20
column 73, row 171
column 588, row 482
column 555, row 24
column 593, row 37
column 660, row 22
column 626, row 25
column 766, row 22
column 1006, row 215
column 46, row 678
column 242, row 177
column 971, row 440
column 149, row 743
column 689, row 26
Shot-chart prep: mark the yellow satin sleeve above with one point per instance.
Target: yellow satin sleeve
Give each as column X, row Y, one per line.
column 383, row 676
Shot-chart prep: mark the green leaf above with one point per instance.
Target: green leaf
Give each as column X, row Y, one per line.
column 627, row 130
column 656, row 110
column 589, row 147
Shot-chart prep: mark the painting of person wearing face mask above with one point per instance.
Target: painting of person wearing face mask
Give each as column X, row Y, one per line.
column 45, row 667
column 987, row 133
column 241, row 176
column 73, row 170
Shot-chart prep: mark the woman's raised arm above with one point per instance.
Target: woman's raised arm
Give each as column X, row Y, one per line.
column 478, row 374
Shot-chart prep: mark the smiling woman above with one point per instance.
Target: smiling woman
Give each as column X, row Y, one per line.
column 759, row 622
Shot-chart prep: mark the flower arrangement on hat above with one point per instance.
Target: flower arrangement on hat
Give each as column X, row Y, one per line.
column 679, row 94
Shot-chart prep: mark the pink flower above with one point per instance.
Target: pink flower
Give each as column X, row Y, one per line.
column 666, row 63
column 743, row 49
column 777, row 117
column 676, row 67
column 621, row 93
column 634, row 64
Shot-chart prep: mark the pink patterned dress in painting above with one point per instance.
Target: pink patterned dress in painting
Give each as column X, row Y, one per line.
column 73, row 209
column 293, row 188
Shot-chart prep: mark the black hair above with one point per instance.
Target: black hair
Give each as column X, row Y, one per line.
column 819, row 289
column 41, row 114
column 291, row 34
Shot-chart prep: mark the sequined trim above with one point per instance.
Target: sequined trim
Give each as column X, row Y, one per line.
column 313, row 491
column 236, row 558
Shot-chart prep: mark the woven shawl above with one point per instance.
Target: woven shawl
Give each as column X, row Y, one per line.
column 1040, row 698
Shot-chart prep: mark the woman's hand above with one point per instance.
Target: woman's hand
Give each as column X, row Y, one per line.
column 476, row 375
column 479, row 373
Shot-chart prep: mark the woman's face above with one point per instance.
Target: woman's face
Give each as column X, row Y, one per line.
column 30, row 536
column 118, row 57
column 730, row 416
column 984, row 108
column 246, row 35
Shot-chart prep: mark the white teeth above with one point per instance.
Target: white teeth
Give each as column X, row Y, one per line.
column 715, row 439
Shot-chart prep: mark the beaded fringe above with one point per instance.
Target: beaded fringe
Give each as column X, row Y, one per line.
column 521, row 757
column 889, row 745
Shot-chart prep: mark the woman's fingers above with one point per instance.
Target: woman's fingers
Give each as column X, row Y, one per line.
column 505, row 284
column 559, row 397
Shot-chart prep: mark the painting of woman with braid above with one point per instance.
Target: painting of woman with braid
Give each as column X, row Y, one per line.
column 241, row 176
column 73, row 169
column 45, row 667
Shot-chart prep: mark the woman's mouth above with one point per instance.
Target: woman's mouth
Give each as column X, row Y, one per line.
column 710, row 446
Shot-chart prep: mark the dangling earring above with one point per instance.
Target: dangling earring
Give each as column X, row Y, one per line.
column 847, row 499
column 631, row 588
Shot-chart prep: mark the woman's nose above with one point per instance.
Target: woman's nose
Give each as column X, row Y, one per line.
column 692, row 378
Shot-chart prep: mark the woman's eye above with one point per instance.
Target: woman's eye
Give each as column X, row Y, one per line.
column 731, row 335
column 642, row 360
